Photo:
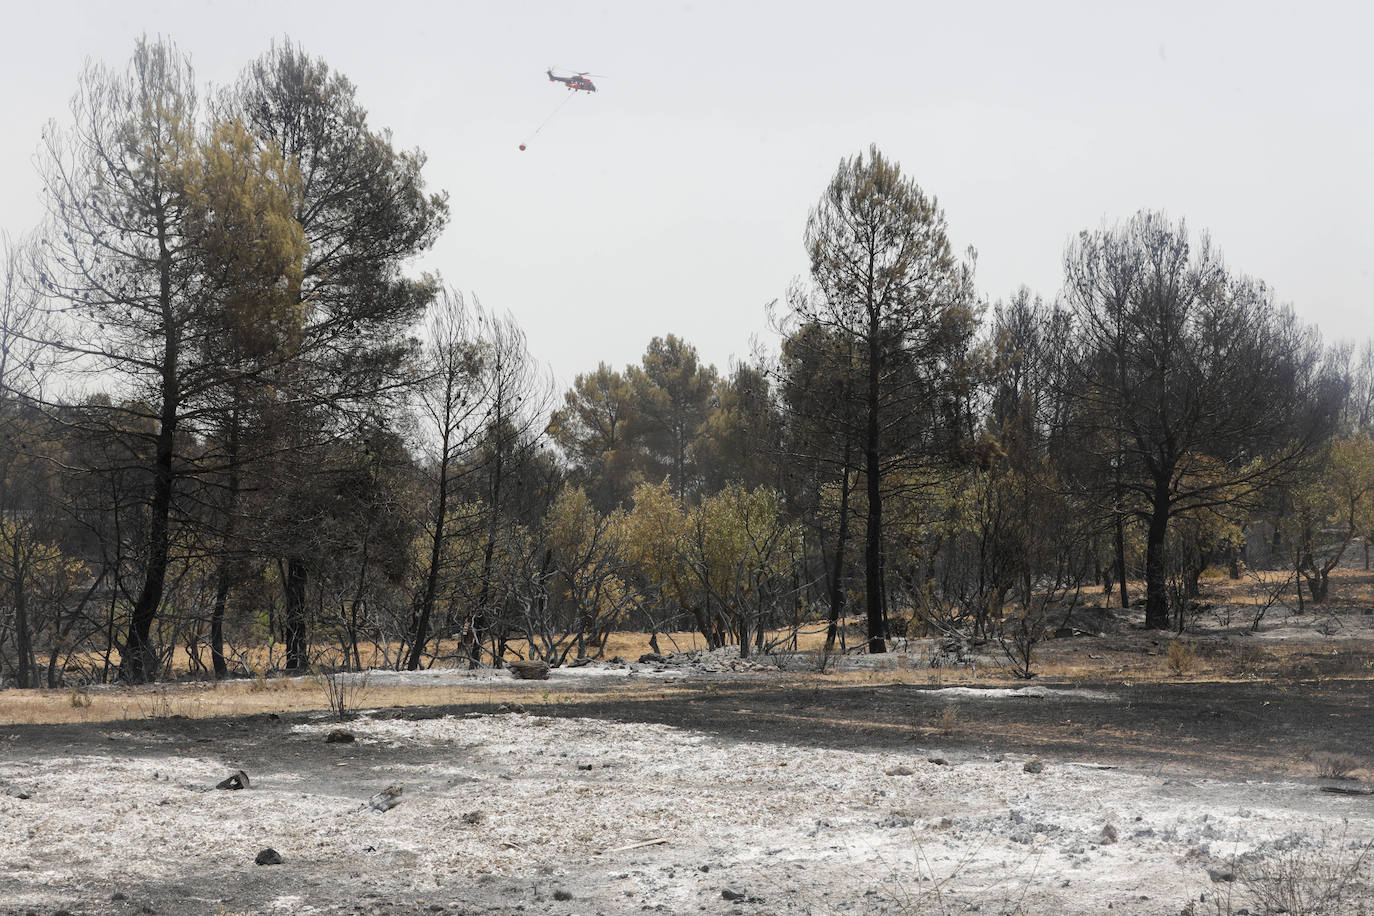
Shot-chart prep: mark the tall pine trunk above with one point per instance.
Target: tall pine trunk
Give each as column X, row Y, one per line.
column 837, row 571
column 1156, row 571
column 138, row 661
column 873, row 547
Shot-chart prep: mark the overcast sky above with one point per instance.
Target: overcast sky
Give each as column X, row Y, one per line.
column 674, row 199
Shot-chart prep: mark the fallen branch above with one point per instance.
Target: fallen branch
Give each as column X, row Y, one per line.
column 657, row 842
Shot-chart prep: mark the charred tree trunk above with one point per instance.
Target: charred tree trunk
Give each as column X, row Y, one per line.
column 1121, row 559
column 837, row 569
column 138, row 661
column 23, row 643
column 293, row 624
column 1156, row 573
column 225, row 574
column 873, row 546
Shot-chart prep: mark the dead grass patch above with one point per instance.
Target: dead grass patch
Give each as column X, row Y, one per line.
column 1335, row 766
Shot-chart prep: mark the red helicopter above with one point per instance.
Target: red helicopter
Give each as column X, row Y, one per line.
column 576, row 81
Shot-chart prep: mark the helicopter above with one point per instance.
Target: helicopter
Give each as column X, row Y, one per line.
column 576, row 81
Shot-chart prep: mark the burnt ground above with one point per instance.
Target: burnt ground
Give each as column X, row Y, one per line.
column 1234, row 714
column 1215, row 729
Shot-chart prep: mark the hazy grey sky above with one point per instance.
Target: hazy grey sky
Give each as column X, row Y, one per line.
column 674, row 199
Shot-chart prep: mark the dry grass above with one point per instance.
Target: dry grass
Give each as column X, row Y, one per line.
column 1335, row 766
column 1182, row 658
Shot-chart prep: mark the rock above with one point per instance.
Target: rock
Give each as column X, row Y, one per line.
column 238, row 781
column 384, row 800
column 938, row 761
column 1107, row 836
column 474, row 817
column 268, row 856
column 511, row 707
column 340, row 736
column 118, row 896
column 1220, row 875
column 529, row 670
column 561, row 894
column 651, row 658
column 1034, row 765
column 584, row 766
column 899, row 771
column 728, row 894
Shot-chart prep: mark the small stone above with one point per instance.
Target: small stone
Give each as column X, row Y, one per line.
column 651, row 658
column 1221, row 875
column 474, row 817
column 1107, row 836
column 268, row 856
column 584, row 766
column 899, row 771
column 729, row 894
column 238, row 781
column 1034, row 765
column 118, row 896
column 561, row 894
column 340, row 736
column 938, row 761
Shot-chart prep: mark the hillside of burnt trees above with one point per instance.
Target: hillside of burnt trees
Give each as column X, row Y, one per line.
column 237, row 432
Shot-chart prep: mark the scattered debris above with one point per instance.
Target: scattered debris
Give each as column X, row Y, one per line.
column 474, row 817
column 1034, row 765
column 728, row 894
column 340, row 736
column 238, row 781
